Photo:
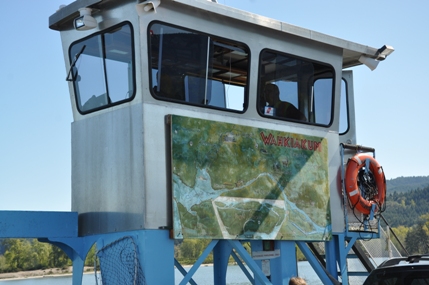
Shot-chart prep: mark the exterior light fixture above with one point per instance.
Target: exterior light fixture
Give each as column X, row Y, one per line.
column 381, row 54
column 384, row 51
column 85, row 21
column 147, row 6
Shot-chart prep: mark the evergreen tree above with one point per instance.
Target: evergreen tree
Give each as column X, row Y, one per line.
column 417, row 239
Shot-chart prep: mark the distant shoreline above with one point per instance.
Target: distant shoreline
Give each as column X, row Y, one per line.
column 55, row 272
column 40, row 273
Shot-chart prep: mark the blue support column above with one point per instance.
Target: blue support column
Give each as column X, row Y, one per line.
column 221, row 253
column 156, row 252
column 331, row 257
column 342, row 257
column 78, row 266
column 285, row 266
column 256, row 245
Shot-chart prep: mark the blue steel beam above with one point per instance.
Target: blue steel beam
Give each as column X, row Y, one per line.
column 243, row 268
column 285, row 266
column 38, row 224
column 183, row 271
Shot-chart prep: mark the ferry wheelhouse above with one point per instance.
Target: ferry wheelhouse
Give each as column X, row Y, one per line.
column 195, row 120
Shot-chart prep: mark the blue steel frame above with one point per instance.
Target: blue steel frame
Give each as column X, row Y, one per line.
column 282, row 268
column 156, row 250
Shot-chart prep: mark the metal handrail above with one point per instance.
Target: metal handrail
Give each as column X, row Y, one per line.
column 358, row 147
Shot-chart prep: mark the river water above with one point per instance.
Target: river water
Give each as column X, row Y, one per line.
column 204, row 276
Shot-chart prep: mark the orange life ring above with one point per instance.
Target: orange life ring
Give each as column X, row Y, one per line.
column 364, row 204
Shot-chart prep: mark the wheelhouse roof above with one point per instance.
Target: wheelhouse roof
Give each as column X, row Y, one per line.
column 63, row 18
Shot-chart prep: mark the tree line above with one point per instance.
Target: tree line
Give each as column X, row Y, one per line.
column 30, row 254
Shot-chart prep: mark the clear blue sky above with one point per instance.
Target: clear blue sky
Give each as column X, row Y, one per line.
column 35, row 112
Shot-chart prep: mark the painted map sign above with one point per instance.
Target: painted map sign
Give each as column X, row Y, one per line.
column 239, row 182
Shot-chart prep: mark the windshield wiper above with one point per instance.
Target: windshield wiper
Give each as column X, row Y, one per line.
column 70, row 76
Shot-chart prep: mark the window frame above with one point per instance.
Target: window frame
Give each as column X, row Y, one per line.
column 346, row 104
column 131, row 75
column 213, row 38
column 315, row 77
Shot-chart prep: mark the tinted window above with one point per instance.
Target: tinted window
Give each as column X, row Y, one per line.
column 192, row 68
column 295, row 89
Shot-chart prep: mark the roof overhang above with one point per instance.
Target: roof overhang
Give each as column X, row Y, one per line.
column 352, row 52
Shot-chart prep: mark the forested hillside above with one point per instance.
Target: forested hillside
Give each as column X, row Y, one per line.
column 407, row 213
column 407, row 200
column 405, row 184
column 404, row 209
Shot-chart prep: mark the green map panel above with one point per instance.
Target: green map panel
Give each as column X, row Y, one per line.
column 238, row 182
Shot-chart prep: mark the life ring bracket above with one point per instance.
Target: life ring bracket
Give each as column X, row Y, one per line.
column 365, row 183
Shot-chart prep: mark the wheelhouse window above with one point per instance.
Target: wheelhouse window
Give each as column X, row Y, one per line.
column 295, row 89
column 102, row 69
column 192, row 68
